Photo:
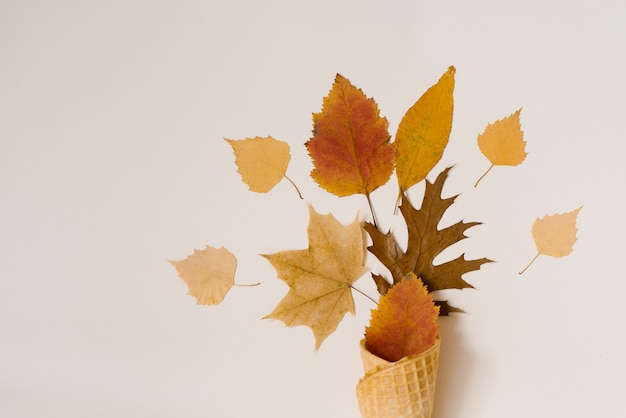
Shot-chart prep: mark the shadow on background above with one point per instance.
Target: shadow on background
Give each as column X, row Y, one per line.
column 457, row 363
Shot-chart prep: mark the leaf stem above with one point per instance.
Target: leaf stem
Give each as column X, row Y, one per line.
column 397, row 204
column 294, row 185
column 531, row 261
column 363, row 293
column 247, row 284
column 481, row 177
column 369, row 202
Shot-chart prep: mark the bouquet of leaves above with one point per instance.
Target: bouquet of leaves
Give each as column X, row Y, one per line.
column 352, row 153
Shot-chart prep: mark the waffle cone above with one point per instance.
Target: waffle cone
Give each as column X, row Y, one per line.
column 402, row 389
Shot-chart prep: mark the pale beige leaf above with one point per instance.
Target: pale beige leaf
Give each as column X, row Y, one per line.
column 320, row 277
column 555, row 235
column 209, row 274
column 262, row 162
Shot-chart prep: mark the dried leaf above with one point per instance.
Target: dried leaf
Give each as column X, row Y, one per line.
column 320, row 277
column 350, row 147
column 209, row 274
column 503, row 142
column 426, row 242
column 404, row 323
column 382, row 285
column 262, row 162
column 445, row 309
column 424, row 131
column 555, row 235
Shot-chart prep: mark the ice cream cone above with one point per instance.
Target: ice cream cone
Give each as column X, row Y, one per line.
column 403, row 389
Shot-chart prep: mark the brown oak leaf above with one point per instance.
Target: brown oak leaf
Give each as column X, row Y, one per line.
column 425, row 243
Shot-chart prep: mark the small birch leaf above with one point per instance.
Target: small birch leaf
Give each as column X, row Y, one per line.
column 209, row 274
column 262, row 162
column 555, row 235
column 503, row 142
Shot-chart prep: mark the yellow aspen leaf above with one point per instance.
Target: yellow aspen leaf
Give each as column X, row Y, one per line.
column 209, row 274
column 424, row 131
column 320, row 277
column 404, row 323
column 555, row 235
column 261, row 161
column 350, row 146
column 503, row 143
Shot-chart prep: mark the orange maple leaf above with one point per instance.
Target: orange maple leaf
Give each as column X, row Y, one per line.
column 404, row 323
column 350, row 146
column 320, row 277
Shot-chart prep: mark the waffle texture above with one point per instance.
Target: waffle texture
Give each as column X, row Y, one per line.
column 403, row 389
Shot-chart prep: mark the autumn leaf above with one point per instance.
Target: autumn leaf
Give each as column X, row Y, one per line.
column 424, row 131
column 350, row 146
column 209, row 274
column 503, row 142
column 262, row 162
column 320, row 277
column 555, row 235
column 425, row 243
column 446, row 309
column 404, row 323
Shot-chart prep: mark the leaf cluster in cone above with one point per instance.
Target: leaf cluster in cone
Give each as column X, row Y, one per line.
column 352, row 153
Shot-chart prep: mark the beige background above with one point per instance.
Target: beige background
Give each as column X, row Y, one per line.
column 112, row 161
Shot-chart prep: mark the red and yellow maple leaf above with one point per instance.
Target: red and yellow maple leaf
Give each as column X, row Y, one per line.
column 404, row 323
column 350, row 146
